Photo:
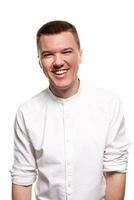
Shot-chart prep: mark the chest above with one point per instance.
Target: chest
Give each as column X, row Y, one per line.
column 76, row 132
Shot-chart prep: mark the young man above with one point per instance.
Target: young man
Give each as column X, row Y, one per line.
column 71, row 135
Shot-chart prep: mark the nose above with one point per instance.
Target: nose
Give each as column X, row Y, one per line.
column 58, row 61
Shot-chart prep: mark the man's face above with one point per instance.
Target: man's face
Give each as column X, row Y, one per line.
column 59, row 58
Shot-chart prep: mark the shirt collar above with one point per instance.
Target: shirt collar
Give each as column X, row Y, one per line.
column 64, row 100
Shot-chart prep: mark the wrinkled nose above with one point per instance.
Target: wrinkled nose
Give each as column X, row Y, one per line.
column 58, row 62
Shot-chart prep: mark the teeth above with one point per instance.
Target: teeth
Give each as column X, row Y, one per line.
column 60, row 72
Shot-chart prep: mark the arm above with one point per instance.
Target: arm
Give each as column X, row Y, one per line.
column 116, row 154
column 20, row 192
column 115, row 185
column 23, row 172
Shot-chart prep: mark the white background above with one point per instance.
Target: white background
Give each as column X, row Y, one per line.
column 106, row 29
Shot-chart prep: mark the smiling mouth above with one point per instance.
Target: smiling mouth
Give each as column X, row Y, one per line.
column 60, row 71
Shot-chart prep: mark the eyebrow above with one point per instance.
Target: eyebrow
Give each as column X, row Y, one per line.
column 69, row 48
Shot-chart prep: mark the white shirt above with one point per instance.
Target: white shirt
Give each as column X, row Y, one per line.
column 69, row 143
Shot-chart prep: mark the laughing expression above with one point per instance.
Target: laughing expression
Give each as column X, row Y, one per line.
column 59, row 58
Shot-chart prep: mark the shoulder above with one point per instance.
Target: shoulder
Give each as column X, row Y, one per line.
column 101, row 98
column 35, row 103
column 98, row 94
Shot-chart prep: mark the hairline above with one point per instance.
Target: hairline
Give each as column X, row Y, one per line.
column 50, row 34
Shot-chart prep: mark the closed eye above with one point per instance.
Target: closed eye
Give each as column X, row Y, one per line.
column 47, row 55
column 67, row 52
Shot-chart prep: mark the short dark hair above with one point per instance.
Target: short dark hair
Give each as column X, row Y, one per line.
column 55, row 27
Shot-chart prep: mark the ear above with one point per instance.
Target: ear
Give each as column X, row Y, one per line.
column 43, row 68
column 40, row 64
column 80, row 56
column 38, row 55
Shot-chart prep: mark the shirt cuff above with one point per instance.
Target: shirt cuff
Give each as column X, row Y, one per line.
column 116, row 162
column 23, row 179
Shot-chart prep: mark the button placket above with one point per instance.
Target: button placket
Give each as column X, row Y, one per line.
column 68, row 149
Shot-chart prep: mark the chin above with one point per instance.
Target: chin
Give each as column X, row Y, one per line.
column 61, row 86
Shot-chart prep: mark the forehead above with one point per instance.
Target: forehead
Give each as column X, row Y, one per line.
column 60, row 40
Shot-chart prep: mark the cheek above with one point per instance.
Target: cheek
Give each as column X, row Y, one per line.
column 46, row 66
column 75, row 64
column 45, row 71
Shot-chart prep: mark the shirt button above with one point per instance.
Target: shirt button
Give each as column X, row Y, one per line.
column 68, row 140
column 69, row 185
column 68, row 163
column 66, row 116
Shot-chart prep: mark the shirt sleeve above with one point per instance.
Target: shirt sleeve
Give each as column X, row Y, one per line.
column 117, row 144
column 23, row 171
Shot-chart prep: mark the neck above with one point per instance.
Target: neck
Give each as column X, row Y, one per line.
column 66, row 92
